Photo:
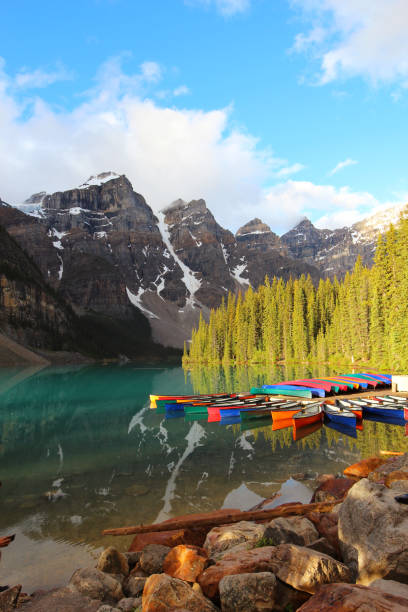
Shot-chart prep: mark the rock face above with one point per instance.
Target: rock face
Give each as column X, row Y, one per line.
column 373, row 533
column 353, row 598
column 105, row 252
column 334, row 252
column 248, row 592
column 163, row 593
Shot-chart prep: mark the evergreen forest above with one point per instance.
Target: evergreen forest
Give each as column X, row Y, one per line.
column 362, row 319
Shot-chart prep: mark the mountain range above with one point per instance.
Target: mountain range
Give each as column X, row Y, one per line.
column 98, row 254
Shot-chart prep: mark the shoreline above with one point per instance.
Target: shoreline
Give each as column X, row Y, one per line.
column 209, row 567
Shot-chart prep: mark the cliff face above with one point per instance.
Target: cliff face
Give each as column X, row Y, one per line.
column 334, row 252
column 107, row 255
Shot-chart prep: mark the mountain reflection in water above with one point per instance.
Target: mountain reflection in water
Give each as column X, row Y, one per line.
column 81, row 451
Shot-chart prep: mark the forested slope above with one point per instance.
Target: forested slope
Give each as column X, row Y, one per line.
column 363, row 318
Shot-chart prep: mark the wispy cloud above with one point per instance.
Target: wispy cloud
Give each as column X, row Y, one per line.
column 357, row 38
column 343, row 164
column 183, row 90
column 227, row 8
column 289, row 170
column 39, row 78
column 151, row 72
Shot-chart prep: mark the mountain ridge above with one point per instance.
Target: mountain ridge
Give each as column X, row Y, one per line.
column 105, row 251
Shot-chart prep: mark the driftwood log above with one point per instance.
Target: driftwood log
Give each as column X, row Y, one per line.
column 234, row 517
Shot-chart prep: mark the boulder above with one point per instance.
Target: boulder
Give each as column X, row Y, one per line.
column 164, row 538
column 152, row 557
column 288, row 598
column 243, row 562
column 185, row 562
column 373, row 533
column 163, row 593
column 248, row 592
column 363, row 468
column 306, row 570
column 332, row 489
column 111, row 561
column 224, row 537
column 353, row 598
column 291, row 530
column 107, row 608
column 323, row 545
column 133, row 586
column 302, row 568
column 9, row 598
column 128, row 604
column 96, row 584
column 63, row 600
column 391, row 586
column 326, row 524
column 385, row 472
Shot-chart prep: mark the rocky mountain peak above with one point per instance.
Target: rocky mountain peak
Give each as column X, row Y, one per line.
column 255, row 226
column 99, row 179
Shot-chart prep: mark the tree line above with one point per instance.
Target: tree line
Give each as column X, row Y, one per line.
column 360, row 319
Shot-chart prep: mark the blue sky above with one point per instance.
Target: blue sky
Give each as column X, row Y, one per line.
column 269, row 108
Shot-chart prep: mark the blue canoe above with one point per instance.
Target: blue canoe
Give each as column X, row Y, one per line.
column 383, row 410
column 314, row 392
column 342, row 416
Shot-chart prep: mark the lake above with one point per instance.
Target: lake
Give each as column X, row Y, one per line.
column 81, row 451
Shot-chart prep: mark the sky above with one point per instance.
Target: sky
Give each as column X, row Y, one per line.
column 276, row 109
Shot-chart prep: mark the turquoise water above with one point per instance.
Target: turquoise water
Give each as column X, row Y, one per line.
column 81, row 451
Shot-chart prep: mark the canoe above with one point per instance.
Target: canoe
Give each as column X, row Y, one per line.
column 315, row 384
column 380, row 381
column 173, row 398
column 282, row 424
column 282, row 391
column 348, row 384
column 356, row 410
column 361, row 383
column 314, row 390
column 307, row 416
column 283, row 413
column 337, row 414
column 386, row 410
column 394, row 398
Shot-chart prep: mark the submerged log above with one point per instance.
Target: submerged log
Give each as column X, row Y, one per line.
column 210, row 520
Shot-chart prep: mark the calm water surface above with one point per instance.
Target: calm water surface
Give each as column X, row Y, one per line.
column 81, row 451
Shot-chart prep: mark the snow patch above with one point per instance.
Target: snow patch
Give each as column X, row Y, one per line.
column 61, row 269
column 191, row 282
column 237, row 271
column 99, row 179
column 136, row 300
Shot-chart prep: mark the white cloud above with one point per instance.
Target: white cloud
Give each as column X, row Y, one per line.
column 357, row 37
column 289, row 170
column 39, row 78
column 151, row 72
column 227, row 8
column 284, row 205
column 343, row 164
column 183, row 90
column 166, row 153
